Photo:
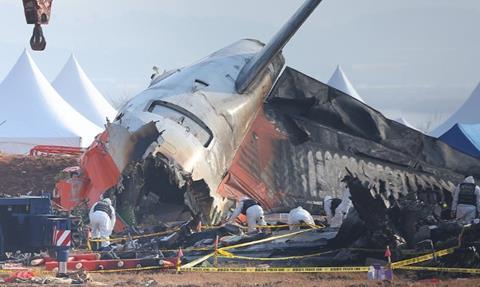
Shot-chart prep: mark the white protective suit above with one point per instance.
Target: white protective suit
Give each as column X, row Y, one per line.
column 336, row 220
column 101, row 223
column 254, row 215
column 327, row 206
column 298, row 216
column 466, row 212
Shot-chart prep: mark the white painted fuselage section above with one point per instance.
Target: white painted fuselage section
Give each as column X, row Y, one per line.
column 203, row 118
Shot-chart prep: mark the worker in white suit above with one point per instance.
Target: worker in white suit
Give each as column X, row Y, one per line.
column 337, row 212
column 102, row 220
column 299, row 216
column 466, row 200
column 252, row 209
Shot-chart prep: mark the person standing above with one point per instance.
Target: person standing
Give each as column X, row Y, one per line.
column 466, row 200
column 102, row 220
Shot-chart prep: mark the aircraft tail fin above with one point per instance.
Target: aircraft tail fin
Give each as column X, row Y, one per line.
column 257, row 64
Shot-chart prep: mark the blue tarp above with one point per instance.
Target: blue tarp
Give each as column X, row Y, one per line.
column 464, row 137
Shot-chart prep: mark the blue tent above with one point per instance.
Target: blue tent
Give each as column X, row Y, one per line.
column 464, row 137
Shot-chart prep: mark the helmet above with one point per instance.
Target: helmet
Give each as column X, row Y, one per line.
column 469, row 179
column 107, row 201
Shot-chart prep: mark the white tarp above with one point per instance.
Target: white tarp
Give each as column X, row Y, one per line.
column 35, row 114
column 76, row 88
column 468, row 113
column 340, row 82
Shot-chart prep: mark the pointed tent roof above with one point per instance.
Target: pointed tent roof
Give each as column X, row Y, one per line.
column 76, row 88
column 406, row 123
column 464, row 137
column 34, row 112
column 468, row 113
column 340, row 82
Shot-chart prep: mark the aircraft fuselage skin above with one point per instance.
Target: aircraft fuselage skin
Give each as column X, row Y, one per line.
column 201, row 118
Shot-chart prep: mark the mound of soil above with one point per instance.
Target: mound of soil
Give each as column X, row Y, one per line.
column 21, row 174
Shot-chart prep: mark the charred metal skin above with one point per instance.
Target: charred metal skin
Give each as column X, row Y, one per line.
column 307, row 133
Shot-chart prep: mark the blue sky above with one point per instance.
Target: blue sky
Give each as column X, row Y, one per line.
column 413, row 58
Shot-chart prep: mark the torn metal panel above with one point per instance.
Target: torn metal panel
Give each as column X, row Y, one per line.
column 298, row 148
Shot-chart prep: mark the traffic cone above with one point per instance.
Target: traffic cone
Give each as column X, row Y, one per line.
column 388, row 270
column 179, row 258
column 388, row 254
column 215, row 248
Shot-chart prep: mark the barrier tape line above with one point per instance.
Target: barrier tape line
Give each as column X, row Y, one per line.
column 35, row 271
column 117, row 239
column 265, row 239
column 128, row 269
column 226, row 254
column 201, row 259
column 198, row 261
column 441, row 269
column 423, row 258
column 276, row 269
column 270, row 226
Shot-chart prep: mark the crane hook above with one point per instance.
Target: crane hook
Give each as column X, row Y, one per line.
column 37, row 41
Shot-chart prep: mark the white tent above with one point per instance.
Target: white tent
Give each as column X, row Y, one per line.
column 35, row 114
column 468, row 113
column 406, row 123
column 76, row 88
column 340, row 82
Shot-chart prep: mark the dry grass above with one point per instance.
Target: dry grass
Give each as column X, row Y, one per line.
column 265, row 280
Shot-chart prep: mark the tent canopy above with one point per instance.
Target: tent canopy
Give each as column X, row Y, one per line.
column 34, row 113
column 340, row 82
column 464, row 137
column 76, row 88
column 466, row 114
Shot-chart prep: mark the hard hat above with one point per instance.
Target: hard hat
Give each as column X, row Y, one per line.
column 469, row 179
column 107, row 201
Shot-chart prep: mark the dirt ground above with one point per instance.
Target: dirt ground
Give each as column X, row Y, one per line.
column 272, row 279
column 22, row 174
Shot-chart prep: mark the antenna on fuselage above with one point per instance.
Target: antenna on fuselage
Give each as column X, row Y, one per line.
column 257, row 64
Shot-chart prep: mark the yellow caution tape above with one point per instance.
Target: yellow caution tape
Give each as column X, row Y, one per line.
column 34, row 270
column 270, row 226
column 201, row 259
column 441, row 269
column 265, row 239
column 423, row 258
column 226, row 254
column 276, row 269
column 127, row 269
column 117, row 239
column 198, row 261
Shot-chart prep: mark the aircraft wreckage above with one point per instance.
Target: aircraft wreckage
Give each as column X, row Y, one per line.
column 241, row 123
